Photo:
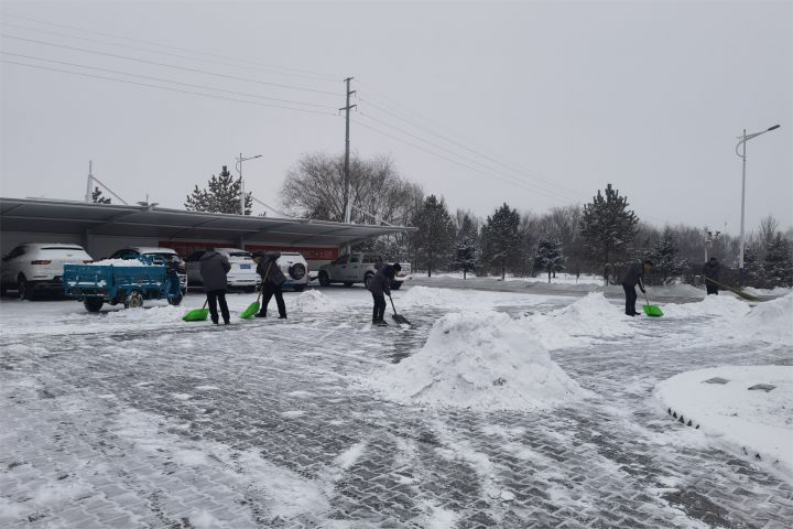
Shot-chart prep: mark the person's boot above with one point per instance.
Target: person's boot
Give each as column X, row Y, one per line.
column 382, row 323
column 261, row 315
column 215, row 321
column 282, row 317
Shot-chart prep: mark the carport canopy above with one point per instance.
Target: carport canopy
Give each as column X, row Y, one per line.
column 71, row 217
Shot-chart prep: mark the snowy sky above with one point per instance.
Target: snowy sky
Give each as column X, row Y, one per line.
column 545, row 102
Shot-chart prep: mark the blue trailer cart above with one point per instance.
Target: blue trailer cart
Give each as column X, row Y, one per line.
column 98, row 284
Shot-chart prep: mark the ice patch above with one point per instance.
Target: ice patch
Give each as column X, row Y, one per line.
column 428, row 296
column 482, row 361
column 315, row 301
column 349, row 457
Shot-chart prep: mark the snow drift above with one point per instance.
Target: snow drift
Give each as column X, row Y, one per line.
column 771, row 321
column 720, row 306
column 757, row 421
column 579, row 323
column 314, row 301
column 481, row 361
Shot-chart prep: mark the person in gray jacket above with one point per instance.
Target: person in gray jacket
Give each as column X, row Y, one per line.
column 634, row 277
column 712, row 271
column 214, row 268
column 380, row 286
column 272, row 280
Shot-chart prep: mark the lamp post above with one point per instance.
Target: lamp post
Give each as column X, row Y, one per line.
column 242, row 184
column 744, row 138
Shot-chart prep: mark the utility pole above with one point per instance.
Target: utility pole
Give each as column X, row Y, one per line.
column 242, row 190
column 347, row 108
column 89, row 188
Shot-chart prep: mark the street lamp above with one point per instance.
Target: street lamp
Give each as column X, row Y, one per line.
column 744, row 139
column 242, row 185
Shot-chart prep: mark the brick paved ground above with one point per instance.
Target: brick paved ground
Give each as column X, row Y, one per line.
column 169, row 428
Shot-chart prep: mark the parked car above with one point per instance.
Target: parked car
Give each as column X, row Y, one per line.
column 166, row 255
column 295, row 268
column 242, row 274
column 358, row 268
column 38, row 267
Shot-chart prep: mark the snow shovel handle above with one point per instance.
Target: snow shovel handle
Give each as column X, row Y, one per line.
column 392, row 304
column 645, row 297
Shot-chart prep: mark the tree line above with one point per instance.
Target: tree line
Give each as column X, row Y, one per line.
column 601, row 237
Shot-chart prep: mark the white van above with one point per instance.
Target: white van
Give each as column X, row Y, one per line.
column 38, row 267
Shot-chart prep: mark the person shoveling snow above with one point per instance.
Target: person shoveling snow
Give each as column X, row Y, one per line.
column 482, row 361
column 635, row 277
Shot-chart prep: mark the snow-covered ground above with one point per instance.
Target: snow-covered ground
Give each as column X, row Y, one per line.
column 500, row 409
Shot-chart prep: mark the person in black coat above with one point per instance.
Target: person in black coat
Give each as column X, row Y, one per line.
column 380, row 287
column 272, row 280
column 214, row 268
column 712, row 270
column 634, row 277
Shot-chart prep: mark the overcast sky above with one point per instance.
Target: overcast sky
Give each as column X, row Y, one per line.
column 545, row 101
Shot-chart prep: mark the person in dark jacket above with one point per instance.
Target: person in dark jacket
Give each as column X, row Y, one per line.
column 272, row 280
column 635, row 276
column 380, row 287
column 712, row 270
column 214, row 268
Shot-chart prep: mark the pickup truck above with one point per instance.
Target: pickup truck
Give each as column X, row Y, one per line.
column 357, row 268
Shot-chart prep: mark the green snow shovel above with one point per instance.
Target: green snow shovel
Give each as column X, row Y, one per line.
column 653, row 311
column 254, row 307
column 197, row 314
column 398, row 317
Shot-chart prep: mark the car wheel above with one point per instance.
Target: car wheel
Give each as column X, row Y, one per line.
column 348, row 284
column 299, row 288
column 134, row 300
column 93, row 304
column 324, row 279
column 367, row 278
column 22, row 288
column 3, row 290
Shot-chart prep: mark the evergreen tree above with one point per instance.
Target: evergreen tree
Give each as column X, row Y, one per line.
column 778, row 262
column 97, row 197
column 665, row 255
column 550, row 256
column 608, row 227
column 434, row 239
column 501, row 238
column 221, row 196
column 467, row 241
column 752, row 265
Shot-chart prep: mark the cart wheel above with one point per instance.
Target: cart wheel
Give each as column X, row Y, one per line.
column 93, row 304
column 175, row 300
column 134, row 300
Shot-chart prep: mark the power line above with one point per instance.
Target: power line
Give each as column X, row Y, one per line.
column 160, row 79
column 271, row 69
column 499, row 177
column 471, row 160
column 404, row 110
column 82, row 74
column 327, row 76
column 165, row 65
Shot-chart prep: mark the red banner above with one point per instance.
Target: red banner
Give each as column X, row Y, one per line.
column 185, row 248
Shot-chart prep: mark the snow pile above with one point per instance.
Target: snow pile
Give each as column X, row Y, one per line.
column 118, row 262
column 590, row 317
column 482, row 361
column 776, row 291
column 771, row 321
column 315, row 301
column 756, row 420
column 725, row 306
column 161, row 314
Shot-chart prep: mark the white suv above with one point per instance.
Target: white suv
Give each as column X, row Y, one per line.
column 242, row 274
column 295, row 268
column 38, row 267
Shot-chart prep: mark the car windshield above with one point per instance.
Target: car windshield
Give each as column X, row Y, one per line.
column 62, row 248
column 60, row 253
